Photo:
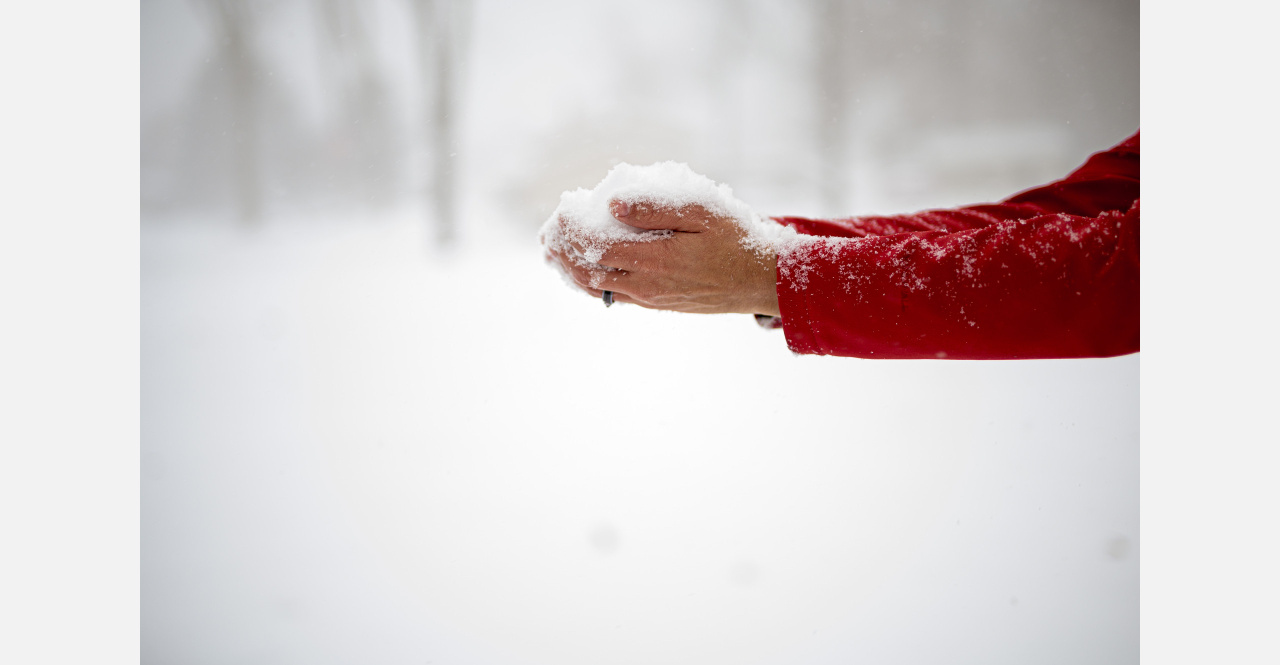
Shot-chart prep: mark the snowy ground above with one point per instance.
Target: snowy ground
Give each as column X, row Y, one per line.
column 356, row 450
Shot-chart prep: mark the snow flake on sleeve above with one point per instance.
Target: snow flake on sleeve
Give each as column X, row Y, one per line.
column 799, row 255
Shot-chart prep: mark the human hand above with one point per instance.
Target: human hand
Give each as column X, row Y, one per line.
column 702, row 267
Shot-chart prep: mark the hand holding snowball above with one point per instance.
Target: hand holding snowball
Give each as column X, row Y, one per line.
column 664, row 237
column 702, row 266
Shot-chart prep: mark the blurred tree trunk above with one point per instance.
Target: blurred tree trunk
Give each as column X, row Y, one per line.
column 441, row 27
column 235, row 30
column 360, row 138
column 833, row 76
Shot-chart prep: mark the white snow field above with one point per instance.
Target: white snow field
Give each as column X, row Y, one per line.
column 358, row 451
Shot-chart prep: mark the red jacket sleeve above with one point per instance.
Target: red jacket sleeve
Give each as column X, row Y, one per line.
column 1051, row 272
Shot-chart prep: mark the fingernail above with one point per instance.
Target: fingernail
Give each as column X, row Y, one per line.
column 621, row 208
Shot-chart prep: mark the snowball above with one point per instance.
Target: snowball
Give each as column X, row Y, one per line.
column 589, row 223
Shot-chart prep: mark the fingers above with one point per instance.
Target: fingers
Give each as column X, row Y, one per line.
column 622, row 254
column 648, row 215
column 595, row 281
column 588, row 278
column 626, row 255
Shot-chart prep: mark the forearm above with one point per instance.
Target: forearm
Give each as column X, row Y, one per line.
column 1052, row 286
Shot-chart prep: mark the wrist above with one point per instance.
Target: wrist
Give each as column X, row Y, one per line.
column 766, row 301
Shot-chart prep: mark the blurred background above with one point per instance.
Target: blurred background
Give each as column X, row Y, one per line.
column 377, row 429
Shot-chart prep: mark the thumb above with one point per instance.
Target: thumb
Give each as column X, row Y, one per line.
column 649, row 215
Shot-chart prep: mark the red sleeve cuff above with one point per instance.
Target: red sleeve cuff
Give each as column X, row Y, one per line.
column 796, row 303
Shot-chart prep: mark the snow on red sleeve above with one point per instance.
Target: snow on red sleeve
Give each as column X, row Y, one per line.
column 1050, row 286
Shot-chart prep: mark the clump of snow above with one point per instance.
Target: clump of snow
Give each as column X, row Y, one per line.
column 589, row 223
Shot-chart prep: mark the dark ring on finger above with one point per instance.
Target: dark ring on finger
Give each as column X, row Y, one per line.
column 608, row 298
